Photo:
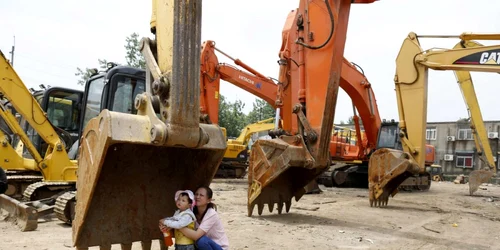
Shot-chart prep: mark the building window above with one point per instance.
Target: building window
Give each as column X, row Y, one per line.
column 430, row 134
column 465, row 134
column 465, row 161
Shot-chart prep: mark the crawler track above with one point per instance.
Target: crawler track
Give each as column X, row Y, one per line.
column 65, row 207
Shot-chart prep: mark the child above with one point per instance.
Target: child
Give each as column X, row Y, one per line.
column 183, row 216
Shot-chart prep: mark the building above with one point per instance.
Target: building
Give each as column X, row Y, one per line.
column 455, row 148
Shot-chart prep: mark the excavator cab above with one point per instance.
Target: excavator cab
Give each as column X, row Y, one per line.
column 62, row 106
column 389, row 136
column 114, row 90
column 389, row 139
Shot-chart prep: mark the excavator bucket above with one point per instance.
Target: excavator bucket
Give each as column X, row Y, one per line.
column 279, row 170
column 387, row 169
column 25, row 214
column 25, row 217
column 477, row 177
column 126, row 184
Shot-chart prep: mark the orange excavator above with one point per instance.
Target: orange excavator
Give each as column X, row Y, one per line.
column 311, row 62
column 352, row 81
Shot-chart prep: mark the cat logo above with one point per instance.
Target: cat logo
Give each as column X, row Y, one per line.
column 487, row 58
column 490, row 58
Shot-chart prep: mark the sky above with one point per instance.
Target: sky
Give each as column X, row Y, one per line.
column 53, row 37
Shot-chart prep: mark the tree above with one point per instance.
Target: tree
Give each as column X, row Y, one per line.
column 85, row 74
column 231, row 116
column 134, row 57
column 261, row 110
column 350, row 120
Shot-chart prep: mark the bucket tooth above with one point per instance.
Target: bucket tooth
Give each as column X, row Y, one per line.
column 162, row 245
column 146, row 245
column 126, row 246
column 260, row 207
column 250, row 209
column 271, row 207
column 288, row 204
column 280, row 207
column 105, row 247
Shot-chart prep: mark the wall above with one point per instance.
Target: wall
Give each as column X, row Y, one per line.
column 465, row 155
column 462, row 147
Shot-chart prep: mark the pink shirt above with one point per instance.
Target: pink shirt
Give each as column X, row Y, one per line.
column 212, row 226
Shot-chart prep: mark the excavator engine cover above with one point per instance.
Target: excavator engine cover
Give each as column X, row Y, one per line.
column 126, row 184
column 279, row 170
column 387, row 169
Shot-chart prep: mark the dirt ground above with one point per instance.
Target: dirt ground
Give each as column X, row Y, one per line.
column 445, row 217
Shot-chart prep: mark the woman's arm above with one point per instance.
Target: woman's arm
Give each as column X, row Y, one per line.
column 192, row 234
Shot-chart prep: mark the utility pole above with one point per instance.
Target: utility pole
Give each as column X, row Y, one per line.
column 12, row 52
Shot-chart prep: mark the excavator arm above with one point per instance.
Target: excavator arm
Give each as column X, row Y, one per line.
column 310, row 60
column 16, row 161
column 352, row 81
column 61, row 169
column 248, row 130
column 212, row 72
column 412, row 66
column 464, row 80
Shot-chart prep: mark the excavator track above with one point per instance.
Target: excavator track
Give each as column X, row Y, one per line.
column 18, row 182
column 65, row 207
column 40, row 190
column 231, row 170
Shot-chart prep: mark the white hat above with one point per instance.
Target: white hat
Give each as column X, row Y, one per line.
column 189, row 193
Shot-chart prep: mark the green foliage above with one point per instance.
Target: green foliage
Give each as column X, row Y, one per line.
column 231, row 116
column 350, row 120
column 261, row 110
column 134, row 57
column 85, row 74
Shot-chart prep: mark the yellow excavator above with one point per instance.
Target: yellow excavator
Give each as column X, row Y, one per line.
column 26, row 148
column 42, row 139
column 401, row 148
column 235, row 161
